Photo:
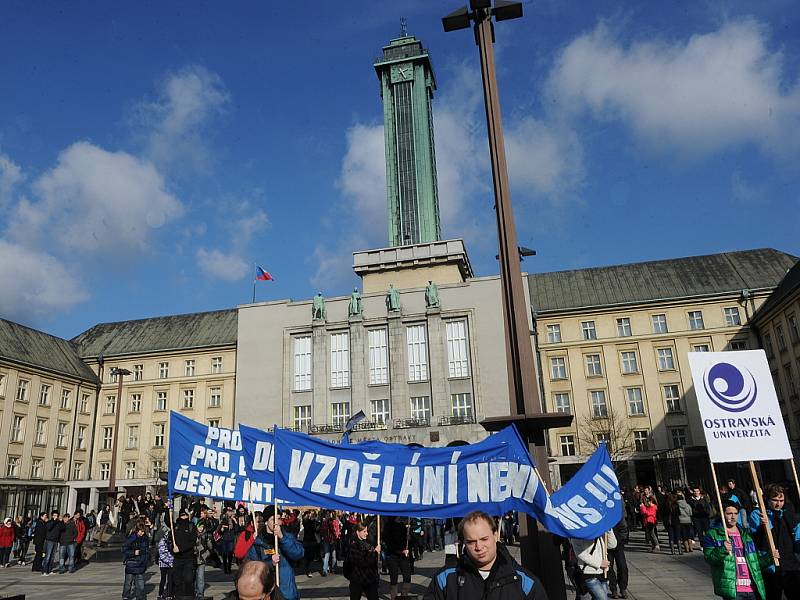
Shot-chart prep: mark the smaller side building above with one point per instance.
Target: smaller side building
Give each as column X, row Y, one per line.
column 47, row 402
column 185, row 363
column 776, row 324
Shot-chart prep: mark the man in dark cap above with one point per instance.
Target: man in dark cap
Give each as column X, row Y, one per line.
column 184, row 566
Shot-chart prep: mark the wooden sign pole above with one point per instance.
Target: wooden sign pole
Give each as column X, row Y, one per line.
column 379, row 530
column 796, row 481
column 760, row 495
column 277, row 548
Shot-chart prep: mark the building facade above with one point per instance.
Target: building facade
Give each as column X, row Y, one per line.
column 47, row 398
column 777, row 327
column 185, row 363
column 407, row 85
column 613, row 345
column 422, row 374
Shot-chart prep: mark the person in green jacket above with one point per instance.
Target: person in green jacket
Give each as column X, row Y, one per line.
column 735, row 564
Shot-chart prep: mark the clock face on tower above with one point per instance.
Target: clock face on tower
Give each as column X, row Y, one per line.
column 404, row 72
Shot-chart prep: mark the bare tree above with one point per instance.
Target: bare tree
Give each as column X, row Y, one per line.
column 613, row 429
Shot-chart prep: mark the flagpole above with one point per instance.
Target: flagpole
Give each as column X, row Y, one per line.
column 254, row 283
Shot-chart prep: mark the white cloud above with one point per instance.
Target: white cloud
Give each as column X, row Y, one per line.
column 714, row 90
column 363, row 179
column 544, row 158
column 333, row 265
column 10, row 176
column 174, row 124
column 228, row 267
column 37, row 284
column 96, row 201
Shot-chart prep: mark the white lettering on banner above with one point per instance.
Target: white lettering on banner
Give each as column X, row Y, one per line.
column 319, row 485
column 264, row 457
column 429, row 485
column 478, row 482
column 346, row 478
column 225, row 438
column 575, row 512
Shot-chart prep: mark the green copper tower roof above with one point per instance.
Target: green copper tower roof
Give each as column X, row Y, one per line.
column 407, row 85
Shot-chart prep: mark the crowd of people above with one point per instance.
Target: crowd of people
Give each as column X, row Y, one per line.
column 293, row 542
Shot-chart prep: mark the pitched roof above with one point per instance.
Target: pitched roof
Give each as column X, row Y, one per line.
column 175, row 332
column 658, row 280
column 789, row 285
column 35, row 348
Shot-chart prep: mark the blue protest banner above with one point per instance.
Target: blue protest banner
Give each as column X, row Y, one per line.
column 495, row 475
column 208, row 461
column 588, row 505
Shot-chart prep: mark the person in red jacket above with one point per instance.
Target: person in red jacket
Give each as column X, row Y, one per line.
column 6, row 542
column 649, row 510
column 80, row 523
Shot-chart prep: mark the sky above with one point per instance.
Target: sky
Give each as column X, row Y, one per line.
column 152, row 152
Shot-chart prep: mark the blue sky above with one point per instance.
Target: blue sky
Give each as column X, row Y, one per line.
column 151, row 152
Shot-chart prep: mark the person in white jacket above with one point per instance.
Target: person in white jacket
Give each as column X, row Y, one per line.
column 592, row 556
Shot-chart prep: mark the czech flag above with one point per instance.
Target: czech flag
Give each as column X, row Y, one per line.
column 262, row 275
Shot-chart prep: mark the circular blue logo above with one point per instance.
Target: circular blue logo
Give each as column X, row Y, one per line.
column 729, row 388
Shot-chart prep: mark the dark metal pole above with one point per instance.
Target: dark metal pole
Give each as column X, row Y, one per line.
column 538, row 550
column 112, row 478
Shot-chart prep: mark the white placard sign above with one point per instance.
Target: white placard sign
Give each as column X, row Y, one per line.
column 741, row 417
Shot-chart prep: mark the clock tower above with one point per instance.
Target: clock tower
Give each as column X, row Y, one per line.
column 407, row 85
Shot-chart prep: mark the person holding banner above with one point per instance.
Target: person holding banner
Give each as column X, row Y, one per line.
column 289, row 551
column 735, row 563
column 486, row 571
column 183, row 567
column 593, row 563
column 784, row 578
column 395, row 538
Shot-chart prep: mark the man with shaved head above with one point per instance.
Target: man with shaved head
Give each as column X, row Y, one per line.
column 255, row 580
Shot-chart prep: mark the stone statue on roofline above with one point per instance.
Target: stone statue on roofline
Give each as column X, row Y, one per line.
column 392, row 299
column 356, row 308
column 318, row 308
column 431, row 295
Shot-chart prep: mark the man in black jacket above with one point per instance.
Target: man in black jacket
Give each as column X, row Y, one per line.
column 486, row 571
column 51, row 537
column 618, row 574
column 39, row 533
column 784, row 526
column 66, row 540
column 184, row 565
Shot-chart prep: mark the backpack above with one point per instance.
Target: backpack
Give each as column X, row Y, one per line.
column 243, row 545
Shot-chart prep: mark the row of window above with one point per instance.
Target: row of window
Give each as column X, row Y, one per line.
column 379, row 411
column 132, row 441
column 633, row 395
column 156, row 466
column 641, row 440
column 378, row 355
column 189, row 369
column 780, row 338
column 45, row 395
column 629, row 361
column 40, row 432
column 14, row 463
column 659, row 325
column 791, row 388
column 161, row 400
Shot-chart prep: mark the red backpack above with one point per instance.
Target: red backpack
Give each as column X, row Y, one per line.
column 243, row 543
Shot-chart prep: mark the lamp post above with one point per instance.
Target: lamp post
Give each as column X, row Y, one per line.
column 112, row 478
column 538, row 552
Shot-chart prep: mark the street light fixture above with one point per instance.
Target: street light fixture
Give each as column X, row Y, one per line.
column 537, row 550
column 112, row 478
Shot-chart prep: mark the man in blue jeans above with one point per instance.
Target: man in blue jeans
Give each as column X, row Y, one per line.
column 67, row 541
column 54, row 529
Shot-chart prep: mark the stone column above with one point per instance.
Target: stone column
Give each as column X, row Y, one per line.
column 319, row 373
column 398, row 365
column 437, row 364
column 358, row 366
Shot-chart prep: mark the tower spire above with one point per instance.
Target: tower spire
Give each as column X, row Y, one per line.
column 403, row 27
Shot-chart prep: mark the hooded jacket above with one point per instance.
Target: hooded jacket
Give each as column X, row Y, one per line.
column 6, row 535
column 590, row 553
column 185, row 538
column 506, row 581
column 785, row 533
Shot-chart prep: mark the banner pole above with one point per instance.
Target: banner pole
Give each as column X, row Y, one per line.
column 760, row 495
column 719, row 503
column 172, row 524
column 277, row 548
column 796, row 481
column 379, row 530
column 605, row 543
column 541, row 481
